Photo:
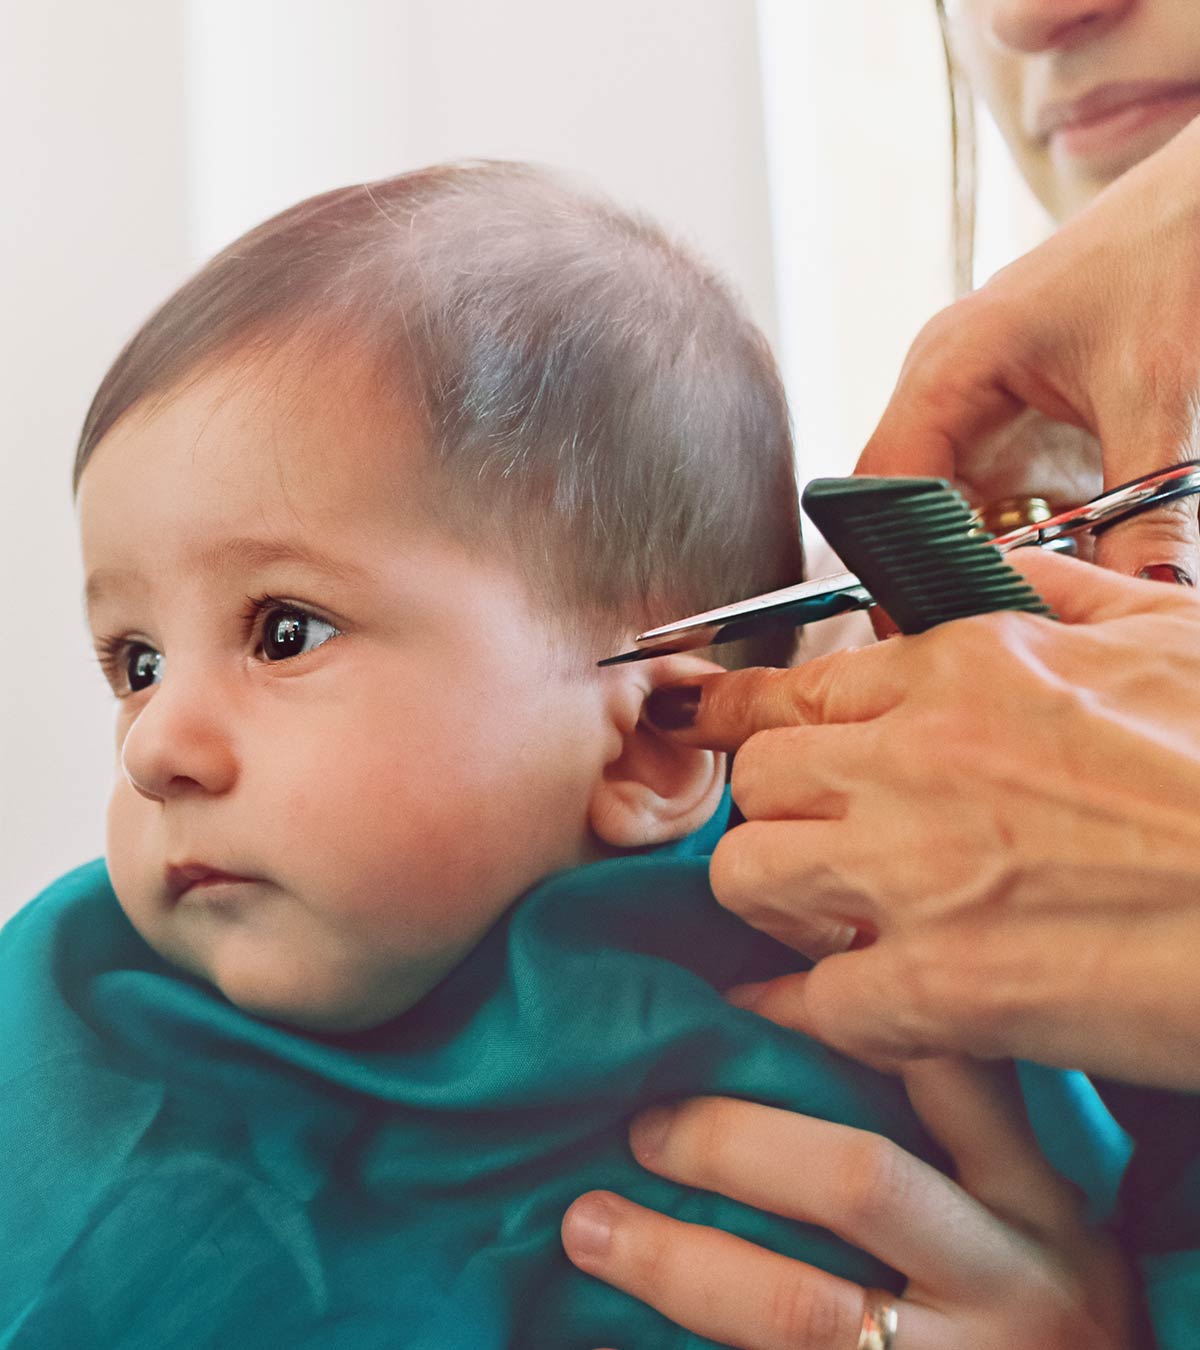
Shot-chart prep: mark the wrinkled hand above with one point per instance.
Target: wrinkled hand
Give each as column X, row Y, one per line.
column 1008, row 805
column 1002, row 1258
column 1098, row 327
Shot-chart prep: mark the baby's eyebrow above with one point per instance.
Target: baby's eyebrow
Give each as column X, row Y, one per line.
column 241, row 552
column 249, row 553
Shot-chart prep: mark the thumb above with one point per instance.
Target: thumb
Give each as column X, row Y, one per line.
column 1079, row 592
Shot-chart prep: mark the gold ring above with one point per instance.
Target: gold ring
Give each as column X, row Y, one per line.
column 1010, row 513
column 880, row 1315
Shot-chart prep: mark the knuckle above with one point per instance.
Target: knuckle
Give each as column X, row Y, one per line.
column 875, row 1178
column 931, row 987
column 953, row 332
column 806, row 690
column 654, row 1264
column 748, row 769
column 807, row 1314
column 763, row 768
column 802, row 697
column 645, row 1259
column 736, row 872
column 979, row 638
column 942, row 330
column 1164, row 370
column 1170, row 524
column 950, row 995
column 704, row 1141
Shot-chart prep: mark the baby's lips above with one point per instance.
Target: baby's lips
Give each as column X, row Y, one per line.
column 183, row 876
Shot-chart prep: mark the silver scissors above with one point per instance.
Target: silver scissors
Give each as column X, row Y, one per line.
column 811, row 601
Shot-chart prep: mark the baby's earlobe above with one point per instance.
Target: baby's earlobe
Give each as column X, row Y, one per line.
column 656, row 791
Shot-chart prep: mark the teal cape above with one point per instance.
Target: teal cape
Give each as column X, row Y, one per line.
column 180, row 1173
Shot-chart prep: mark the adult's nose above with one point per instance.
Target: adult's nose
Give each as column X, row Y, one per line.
column 181, row 741
column 1031, row 26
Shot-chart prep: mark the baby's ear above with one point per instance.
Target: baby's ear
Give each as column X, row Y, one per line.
column 654, row 790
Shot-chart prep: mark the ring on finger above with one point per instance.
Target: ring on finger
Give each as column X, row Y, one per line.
column 880, row 1315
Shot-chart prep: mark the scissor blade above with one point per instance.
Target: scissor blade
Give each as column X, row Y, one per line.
column 805, row 603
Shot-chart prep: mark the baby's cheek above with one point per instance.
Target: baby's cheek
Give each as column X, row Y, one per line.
column 349, row 824
column 134, row 863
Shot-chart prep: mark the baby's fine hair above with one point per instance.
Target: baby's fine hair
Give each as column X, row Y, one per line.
column 596, row 402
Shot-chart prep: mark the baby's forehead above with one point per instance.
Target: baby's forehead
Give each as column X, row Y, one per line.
column 256, row 445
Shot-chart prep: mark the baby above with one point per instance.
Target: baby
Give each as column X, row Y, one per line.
column 361, row 506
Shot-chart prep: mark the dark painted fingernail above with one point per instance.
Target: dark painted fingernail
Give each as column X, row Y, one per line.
column 673, row 707
column 1168, row 572
column 589, row 1226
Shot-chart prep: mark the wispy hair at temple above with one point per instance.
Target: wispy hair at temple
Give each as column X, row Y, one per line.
column 594, row 399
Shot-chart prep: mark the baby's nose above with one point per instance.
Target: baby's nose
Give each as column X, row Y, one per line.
column 180, row 742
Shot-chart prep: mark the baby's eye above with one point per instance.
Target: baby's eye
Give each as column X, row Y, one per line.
column 143, row 666
column 292, row 632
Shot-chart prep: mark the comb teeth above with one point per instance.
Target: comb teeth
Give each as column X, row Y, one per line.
column 913, row 544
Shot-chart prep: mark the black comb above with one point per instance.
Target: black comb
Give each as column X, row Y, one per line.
column 914, row 544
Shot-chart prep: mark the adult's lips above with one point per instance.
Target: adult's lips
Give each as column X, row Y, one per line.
column 1096, row 122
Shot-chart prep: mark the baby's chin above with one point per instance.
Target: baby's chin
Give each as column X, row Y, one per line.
column 331, row 1016
column 327, row 1021
column 298, row 995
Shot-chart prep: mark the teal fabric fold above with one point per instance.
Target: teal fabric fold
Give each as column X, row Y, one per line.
column 180, row 1173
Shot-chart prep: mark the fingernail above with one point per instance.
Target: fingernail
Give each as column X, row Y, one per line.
column 1168, row 572
column 588, row 1227
column 648, row 1132
column 745, row 995
column 673, row 707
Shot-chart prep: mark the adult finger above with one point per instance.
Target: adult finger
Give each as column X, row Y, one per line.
column 777, row 876
column 720, row 1286
column 720, row 712
column 951, row 392
column 973, row 1109
column 976, row 1113
column 994, row 986
column 802, row 773
column 868, row 1189
column 726, row 1289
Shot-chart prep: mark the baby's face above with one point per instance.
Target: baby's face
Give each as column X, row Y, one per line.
column 345, row 742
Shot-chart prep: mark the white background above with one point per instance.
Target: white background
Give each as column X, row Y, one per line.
column 801, row 145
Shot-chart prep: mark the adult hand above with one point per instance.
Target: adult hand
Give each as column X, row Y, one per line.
column 1001, row 1258
column 1007, row 804
column 1098, row 327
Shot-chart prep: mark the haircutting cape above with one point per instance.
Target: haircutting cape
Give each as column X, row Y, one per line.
column 179, row 1173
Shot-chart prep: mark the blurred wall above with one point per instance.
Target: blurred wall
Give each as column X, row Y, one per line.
column 801, row 145
column 148, row 133
column 92, row 127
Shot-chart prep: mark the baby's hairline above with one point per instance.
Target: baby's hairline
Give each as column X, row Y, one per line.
column 596, row 401
column 588, row 631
